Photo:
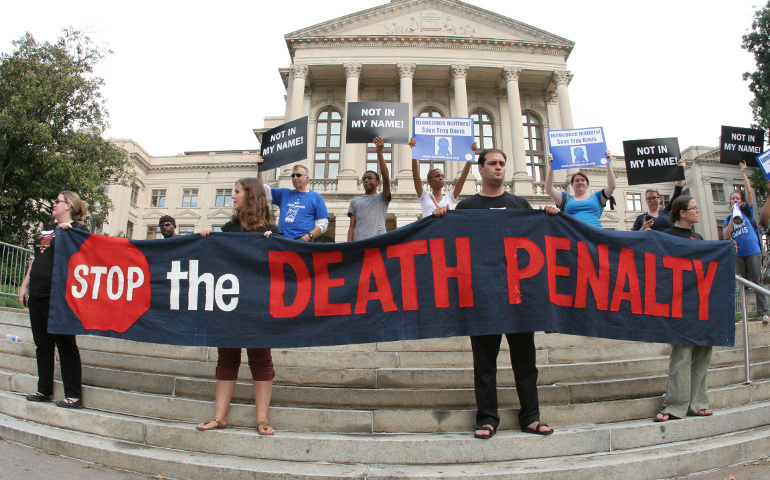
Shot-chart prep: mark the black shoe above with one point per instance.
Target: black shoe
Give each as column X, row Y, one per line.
column 67, row 403
column 38, row 397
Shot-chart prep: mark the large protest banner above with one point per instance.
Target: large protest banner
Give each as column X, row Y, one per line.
column 443, row 138
column 652, row 160
column 577, row 148
column 741, row 145
column 366, row 120
column 284, row 144
column 469, row 273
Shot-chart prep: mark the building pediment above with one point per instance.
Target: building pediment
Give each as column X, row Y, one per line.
column 186, row 214
column 219, row 213
column 426, row 19
column 153, row 214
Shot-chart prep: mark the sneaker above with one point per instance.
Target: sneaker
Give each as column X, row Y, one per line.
column 69, row 403
column 38, row 397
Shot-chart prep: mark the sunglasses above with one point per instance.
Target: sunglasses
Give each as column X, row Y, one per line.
column 59, row 201
column 167, row 224
column 297, row 175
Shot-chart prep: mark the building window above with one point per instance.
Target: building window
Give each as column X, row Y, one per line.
column 216, row 228
column 533, row 146
column 190, row 197
column 186, row 229
column 224, row 197
column 328, row 141
column 158, row 198
column 134, row 194
column 484, row 129
column 633, row 201
column 718, row 192
column 428, row 165
column 371, row 158
column 130, row 230
column 153, row 232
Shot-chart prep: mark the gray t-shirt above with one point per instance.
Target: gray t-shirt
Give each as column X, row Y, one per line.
column 370, row 212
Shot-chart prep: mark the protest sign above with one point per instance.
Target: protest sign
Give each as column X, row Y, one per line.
column 284, row 144
column 652, row 160
column 366, row 120
column 741, row 145
column 764, row 163
column 470, row 273
column 442, row 139
column 577, row 148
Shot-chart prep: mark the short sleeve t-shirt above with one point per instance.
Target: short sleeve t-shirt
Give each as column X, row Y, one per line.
column 299, row 210
column 745, row 235
column 427, row 202
column 506, row 200
column 370, row 212
column 588, row 210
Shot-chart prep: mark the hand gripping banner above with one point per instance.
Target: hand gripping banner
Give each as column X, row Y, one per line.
column 473, row 272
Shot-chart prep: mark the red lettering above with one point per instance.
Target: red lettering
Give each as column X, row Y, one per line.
column 373, row 265
column 586, row 274
column 627, row 270
column 516, row 274
column 677, row 266
column 552, row 244
column 442, row 273
column 651, row 306
column 704, row 287
column 278, row 306
column 323, row 283
column 405, row 254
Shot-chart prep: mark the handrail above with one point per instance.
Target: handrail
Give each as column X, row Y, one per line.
column 758, row 289
column 13, row 266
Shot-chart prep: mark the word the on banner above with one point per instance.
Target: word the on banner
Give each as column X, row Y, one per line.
column 366, row 120
column 440, row 138
column 741, row 145
column 284, row 144
column 583, row 147
column 469, row 273
column 652, row 160
column 764, row 163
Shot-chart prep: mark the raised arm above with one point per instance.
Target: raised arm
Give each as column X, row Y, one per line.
column 416, row 170
column 379, row 143
column 260, row 175
column 610, row 175
column 749, row 189
column 552, row 191
column 464, row 174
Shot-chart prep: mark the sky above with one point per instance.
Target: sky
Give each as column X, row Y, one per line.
column 188, row 76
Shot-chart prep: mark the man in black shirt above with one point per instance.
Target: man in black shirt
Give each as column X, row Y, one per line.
column 487, row 347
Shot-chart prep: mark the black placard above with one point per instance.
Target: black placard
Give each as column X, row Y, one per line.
column 366, row 120
column 741, row 145
column 284, row 144
column 652, row 160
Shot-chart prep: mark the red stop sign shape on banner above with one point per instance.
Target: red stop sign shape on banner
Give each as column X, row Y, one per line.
column 108, row 284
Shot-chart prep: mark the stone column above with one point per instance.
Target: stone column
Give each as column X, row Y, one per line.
column 554, row 123
column 289, row 87
column 299, row 74
column 459, row 74
column 351, row 152
column 402, row 162
column 341, row 227
column 403, row 219
column 562, row 78
column 522, row 183
column 505, row 141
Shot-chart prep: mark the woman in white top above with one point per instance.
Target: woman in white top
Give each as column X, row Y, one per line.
column 434, row 199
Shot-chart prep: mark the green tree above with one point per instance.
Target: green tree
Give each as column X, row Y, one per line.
column 52, row 116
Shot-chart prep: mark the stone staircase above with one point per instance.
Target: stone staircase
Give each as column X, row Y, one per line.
column 389, row 410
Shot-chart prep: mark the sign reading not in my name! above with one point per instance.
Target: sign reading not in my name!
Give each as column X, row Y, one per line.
column 740, row 145
column 366, row 120
column 652, row 160
column 284, row 144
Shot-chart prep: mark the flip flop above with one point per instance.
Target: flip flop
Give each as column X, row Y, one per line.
column 489, row 429
column 219, row 425
column 704, row 412
column 537, row 430
column 660, row 417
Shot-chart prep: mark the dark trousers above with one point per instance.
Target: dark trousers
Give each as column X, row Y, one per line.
column 485, row 351
column 47, row 343
column 260, row 363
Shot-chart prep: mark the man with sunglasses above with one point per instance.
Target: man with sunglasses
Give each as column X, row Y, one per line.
column 303, row 212
column 167, row 226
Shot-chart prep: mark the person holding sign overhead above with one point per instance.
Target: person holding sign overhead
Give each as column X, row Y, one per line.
column 367, row 212
column 430, row 201
column 657, row 218
column 583, row 205
column 742, row 228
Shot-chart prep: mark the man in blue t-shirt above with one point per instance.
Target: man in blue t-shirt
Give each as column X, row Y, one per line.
column 748, row 257
column 303, row 212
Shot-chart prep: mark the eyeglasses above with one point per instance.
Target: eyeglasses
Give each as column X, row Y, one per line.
column 697, row 209
column 167, row 224
column 651, row 199
column 297, row 175
column 59, row 201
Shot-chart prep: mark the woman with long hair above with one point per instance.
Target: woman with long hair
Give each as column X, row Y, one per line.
column 686, row 388
column 251, row 213
column 435, row 198
column 68, row 211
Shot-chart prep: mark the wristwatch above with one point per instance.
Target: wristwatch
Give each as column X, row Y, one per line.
column 310, row 234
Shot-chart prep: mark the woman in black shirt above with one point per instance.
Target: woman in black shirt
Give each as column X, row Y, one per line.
column 68, row 211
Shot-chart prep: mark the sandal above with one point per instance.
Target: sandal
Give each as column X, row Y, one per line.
column 218, row 425
column 38, row 397
column 488, row 428
column 537, row 430
column 664, row 417
column 264, row 428
column 70, row 403
column 704, row 412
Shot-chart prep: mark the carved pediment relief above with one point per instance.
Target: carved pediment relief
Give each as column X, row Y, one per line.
column 186, row 214
column 426, row 18
column 219, row 213
column 153, row 214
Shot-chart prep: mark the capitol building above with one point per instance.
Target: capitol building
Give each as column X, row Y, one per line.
column 445, row 58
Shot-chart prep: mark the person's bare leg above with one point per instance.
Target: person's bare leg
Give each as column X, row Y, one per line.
column 263, row 391
column 224, row 395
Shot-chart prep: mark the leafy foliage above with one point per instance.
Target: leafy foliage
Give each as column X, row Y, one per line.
column 52, row 115
column 757, row 42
